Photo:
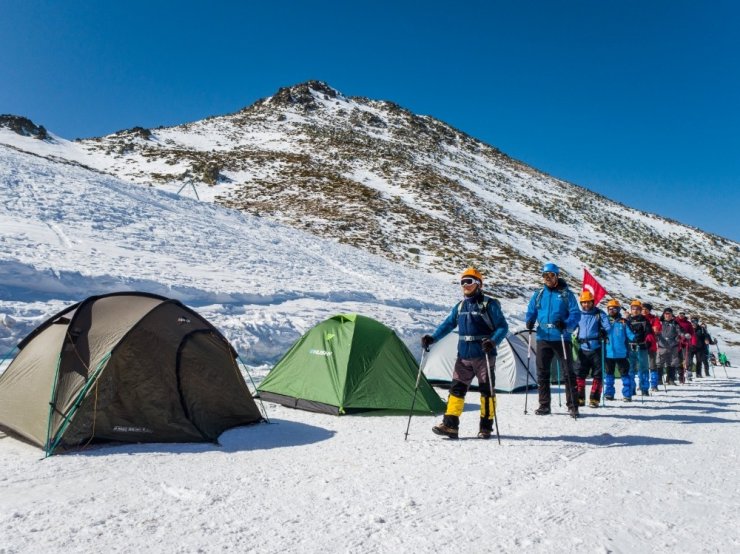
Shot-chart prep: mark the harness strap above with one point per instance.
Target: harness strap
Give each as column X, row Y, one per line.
column 473, row 338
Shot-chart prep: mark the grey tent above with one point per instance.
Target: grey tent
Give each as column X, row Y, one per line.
column 511, row 363
column 129, row 366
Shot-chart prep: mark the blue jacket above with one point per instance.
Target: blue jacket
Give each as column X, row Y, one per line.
column 592, row 321
column 548, row 306
column 468, row 316
column 619, row 335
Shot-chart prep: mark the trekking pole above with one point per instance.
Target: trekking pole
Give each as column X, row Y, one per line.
column 665, row 384
column 686, row 366
column 716, row 343
column 416, row 388
column 557, row 365
column 603, row 377
column 493, row 397
column 529, row 356
column 707, row 352
column 568, row 382
column 639, row 378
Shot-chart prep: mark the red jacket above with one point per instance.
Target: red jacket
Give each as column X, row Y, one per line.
column 686, row 327
column 650, row 340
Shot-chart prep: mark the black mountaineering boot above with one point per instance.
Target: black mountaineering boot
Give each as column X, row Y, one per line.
column 486, row 426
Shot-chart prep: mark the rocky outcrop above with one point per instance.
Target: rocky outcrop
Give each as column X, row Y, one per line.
column 23, row 126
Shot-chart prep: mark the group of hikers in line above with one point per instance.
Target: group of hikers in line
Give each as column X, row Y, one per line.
column 648, row 350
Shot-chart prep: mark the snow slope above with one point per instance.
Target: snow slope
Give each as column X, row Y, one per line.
column 658, row 476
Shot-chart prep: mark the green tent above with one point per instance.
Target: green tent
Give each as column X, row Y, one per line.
column 349, row 363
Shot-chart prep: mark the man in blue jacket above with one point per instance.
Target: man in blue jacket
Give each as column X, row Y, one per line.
column 482, row 327
column 555, row 311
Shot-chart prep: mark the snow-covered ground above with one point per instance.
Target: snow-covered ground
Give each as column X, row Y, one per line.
column 658, row 476
column 655, row 477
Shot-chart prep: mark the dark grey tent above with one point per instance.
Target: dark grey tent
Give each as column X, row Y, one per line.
column 128, row 366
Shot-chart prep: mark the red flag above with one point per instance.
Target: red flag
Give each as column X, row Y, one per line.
column 589, row 283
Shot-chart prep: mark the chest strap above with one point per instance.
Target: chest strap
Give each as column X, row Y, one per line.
column 473, row 338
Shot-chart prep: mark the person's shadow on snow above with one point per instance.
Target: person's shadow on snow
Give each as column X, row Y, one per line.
column 656, row 415
column 605, row 440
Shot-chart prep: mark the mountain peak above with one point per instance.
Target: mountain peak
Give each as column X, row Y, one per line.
column 304, row 95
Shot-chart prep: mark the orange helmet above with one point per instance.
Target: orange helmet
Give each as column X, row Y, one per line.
column 613, row 303
column 635, row 304
column 472, row 272
column 586, row 296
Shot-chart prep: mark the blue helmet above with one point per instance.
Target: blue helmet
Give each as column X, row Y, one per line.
column 551, row 267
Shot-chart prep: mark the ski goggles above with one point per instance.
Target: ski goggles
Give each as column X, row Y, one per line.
column 548, row 274
column 469, row 281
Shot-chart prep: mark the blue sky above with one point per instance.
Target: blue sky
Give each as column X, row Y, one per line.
column 636, row 100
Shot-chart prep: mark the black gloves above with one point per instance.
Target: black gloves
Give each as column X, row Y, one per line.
column 427, row 341
column 487, row 346
column 603, row 335
column 559, row 325
column 530, row 324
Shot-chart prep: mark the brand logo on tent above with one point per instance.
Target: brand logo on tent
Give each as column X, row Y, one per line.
column 122, row 429
column 319, row 352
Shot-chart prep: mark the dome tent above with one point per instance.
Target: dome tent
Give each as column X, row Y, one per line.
column 130, row 366
column 511, row 363
column 347, row 364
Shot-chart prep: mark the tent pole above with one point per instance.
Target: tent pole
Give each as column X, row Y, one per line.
column 51, row 408
column 264, row 411
column 8, row 355
column 80, row 397
column 518, row 357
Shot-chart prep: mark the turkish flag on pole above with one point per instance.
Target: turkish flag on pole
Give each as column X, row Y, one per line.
column 589, row 283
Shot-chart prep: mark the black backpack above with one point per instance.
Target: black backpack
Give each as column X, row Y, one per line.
column 640, row 329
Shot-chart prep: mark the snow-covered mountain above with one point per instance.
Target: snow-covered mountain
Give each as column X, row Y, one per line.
column 68, row 232
column 416, row 191
column 628, row 477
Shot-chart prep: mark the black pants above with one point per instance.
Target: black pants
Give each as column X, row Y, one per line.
column 699, row 354
column 546, row 351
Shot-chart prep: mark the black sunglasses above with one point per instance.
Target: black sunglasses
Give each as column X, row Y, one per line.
column 548, row 274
